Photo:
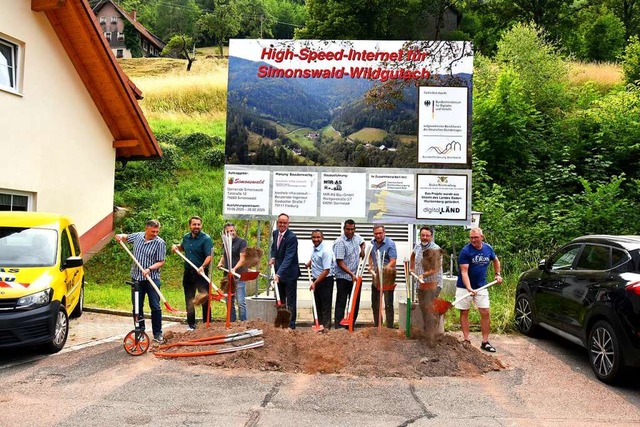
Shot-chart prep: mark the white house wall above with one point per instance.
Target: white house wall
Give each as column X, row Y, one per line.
column 54, row 142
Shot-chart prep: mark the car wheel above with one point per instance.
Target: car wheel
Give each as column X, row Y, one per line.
column 524, row 317
column 604, row 352
column 60, row 332
column 77, row 312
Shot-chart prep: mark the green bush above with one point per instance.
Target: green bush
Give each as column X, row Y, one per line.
column 195, row 141
column 214, row 157
column 631, row 61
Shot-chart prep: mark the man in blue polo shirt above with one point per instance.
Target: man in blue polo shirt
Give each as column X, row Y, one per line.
column 321, row 265
column 198, row 248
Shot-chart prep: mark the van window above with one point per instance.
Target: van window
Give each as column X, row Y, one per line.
column 27, row 247
column 65, row 247
column 75, row 240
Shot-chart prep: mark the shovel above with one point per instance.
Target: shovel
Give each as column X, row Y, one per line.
column 355, row 290
column 317, row 327
column 407, row 329
column 246, row 276
column 219, row 295
column 227, row 242
column 283, row 316
column 380, row 260
column 441, row 306
column 151, row 282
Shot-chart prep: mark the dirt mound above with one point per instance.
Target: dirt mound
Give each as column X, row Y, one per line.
column 365, row 352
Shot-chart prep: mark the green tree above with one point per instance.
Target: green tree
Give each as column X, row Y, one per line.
column 507, row 128
column 222, row 23
column 177, row 17
column 629, row 13
column 604, row 36
column 288, row 15
column 540, row 67
column 180, row 46
column 631, row 61
column 255, row 21
column 349, row 19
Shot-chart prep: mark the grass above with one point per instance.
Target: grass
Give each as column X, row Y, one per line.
column 300, row 136
column 368, row 135
column 184, row 124
column 118, row 297
column 330, row 132
column 604, row 75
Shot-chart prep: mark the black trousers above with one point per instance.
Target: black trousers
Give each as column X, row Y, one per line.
column 343, row 292
column 323, row 295
column 192, row 281
column 388, row 306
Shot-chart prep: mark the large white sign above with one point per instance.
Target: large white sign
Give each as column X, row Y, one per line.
column 442, row 125
column 441, row 196
column 295, row 193
column 342, row 195
column 246, row 192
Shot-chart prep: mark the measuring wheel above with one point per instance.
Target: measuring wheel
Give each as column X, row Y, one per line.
column 136, row 347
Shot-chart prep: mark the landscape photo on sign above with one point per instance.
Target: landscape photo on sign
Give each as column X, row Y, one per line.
column 337, row 103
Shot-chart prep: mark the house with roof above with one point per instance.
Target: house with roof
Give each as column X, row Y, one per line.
column 113, row 19
column 68, row 114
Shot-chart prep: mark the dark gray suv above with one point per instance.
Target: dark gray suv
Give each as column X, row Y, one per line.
column 588, row 292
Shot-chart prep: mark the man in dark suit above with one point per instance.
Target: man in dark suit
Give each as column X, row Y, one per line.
column 284, row 257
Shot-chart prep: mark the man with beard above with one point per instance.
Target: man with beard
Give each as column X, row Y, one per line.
column 198, row 248
column 348, row 249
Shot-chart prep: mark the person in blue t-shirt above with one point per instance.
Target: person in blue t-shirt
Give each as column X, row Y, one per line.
column 474, row 262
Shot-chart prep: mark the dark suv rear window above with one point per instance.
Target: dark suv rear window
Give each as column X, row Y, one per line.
column 595, row 257
column 621, row 260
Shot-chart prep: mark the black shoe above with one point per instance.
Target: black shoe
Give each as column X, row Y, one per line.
column 487, row 347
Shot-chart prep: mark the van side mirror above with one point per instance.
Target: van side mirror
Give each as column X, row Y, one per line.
column 542, row 265
column 72, row 262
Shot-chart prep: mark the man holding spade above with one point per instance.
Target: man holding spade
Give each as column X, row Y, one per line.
column 321, row 278
column 197, row 247
column 474, row 262
column 237, row 265
column 348, row 249
column 149, row 249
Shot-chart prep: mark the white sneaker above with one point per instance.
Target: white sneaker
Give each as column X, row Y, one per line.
column 191, row 328
column 158, row 338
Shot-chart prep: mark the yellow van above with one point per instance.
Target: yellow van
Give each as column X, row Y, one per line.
column 41, row 279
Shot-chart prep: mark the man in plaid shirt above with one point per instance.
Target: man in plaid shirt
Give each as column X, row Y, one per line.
column 348, row 249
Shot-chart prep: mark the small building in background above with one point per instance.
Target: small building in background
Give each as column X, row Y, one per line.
column 113, row 19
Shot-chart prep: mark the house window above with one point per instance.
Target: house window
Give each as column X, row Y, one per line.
column 120, row 37
column 119, row 53
column 145, row 45
column 10, row 60
column 14, row 201
column 103, row 19
column 107, row 34
column 114, row 19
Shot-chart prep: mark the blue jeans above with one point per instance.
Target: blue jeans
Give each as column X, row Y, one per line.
column 241, row 294
column 154, row 304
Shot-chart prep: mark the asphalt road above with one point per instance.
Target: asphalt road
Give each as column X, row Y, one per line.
column 546, row 382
